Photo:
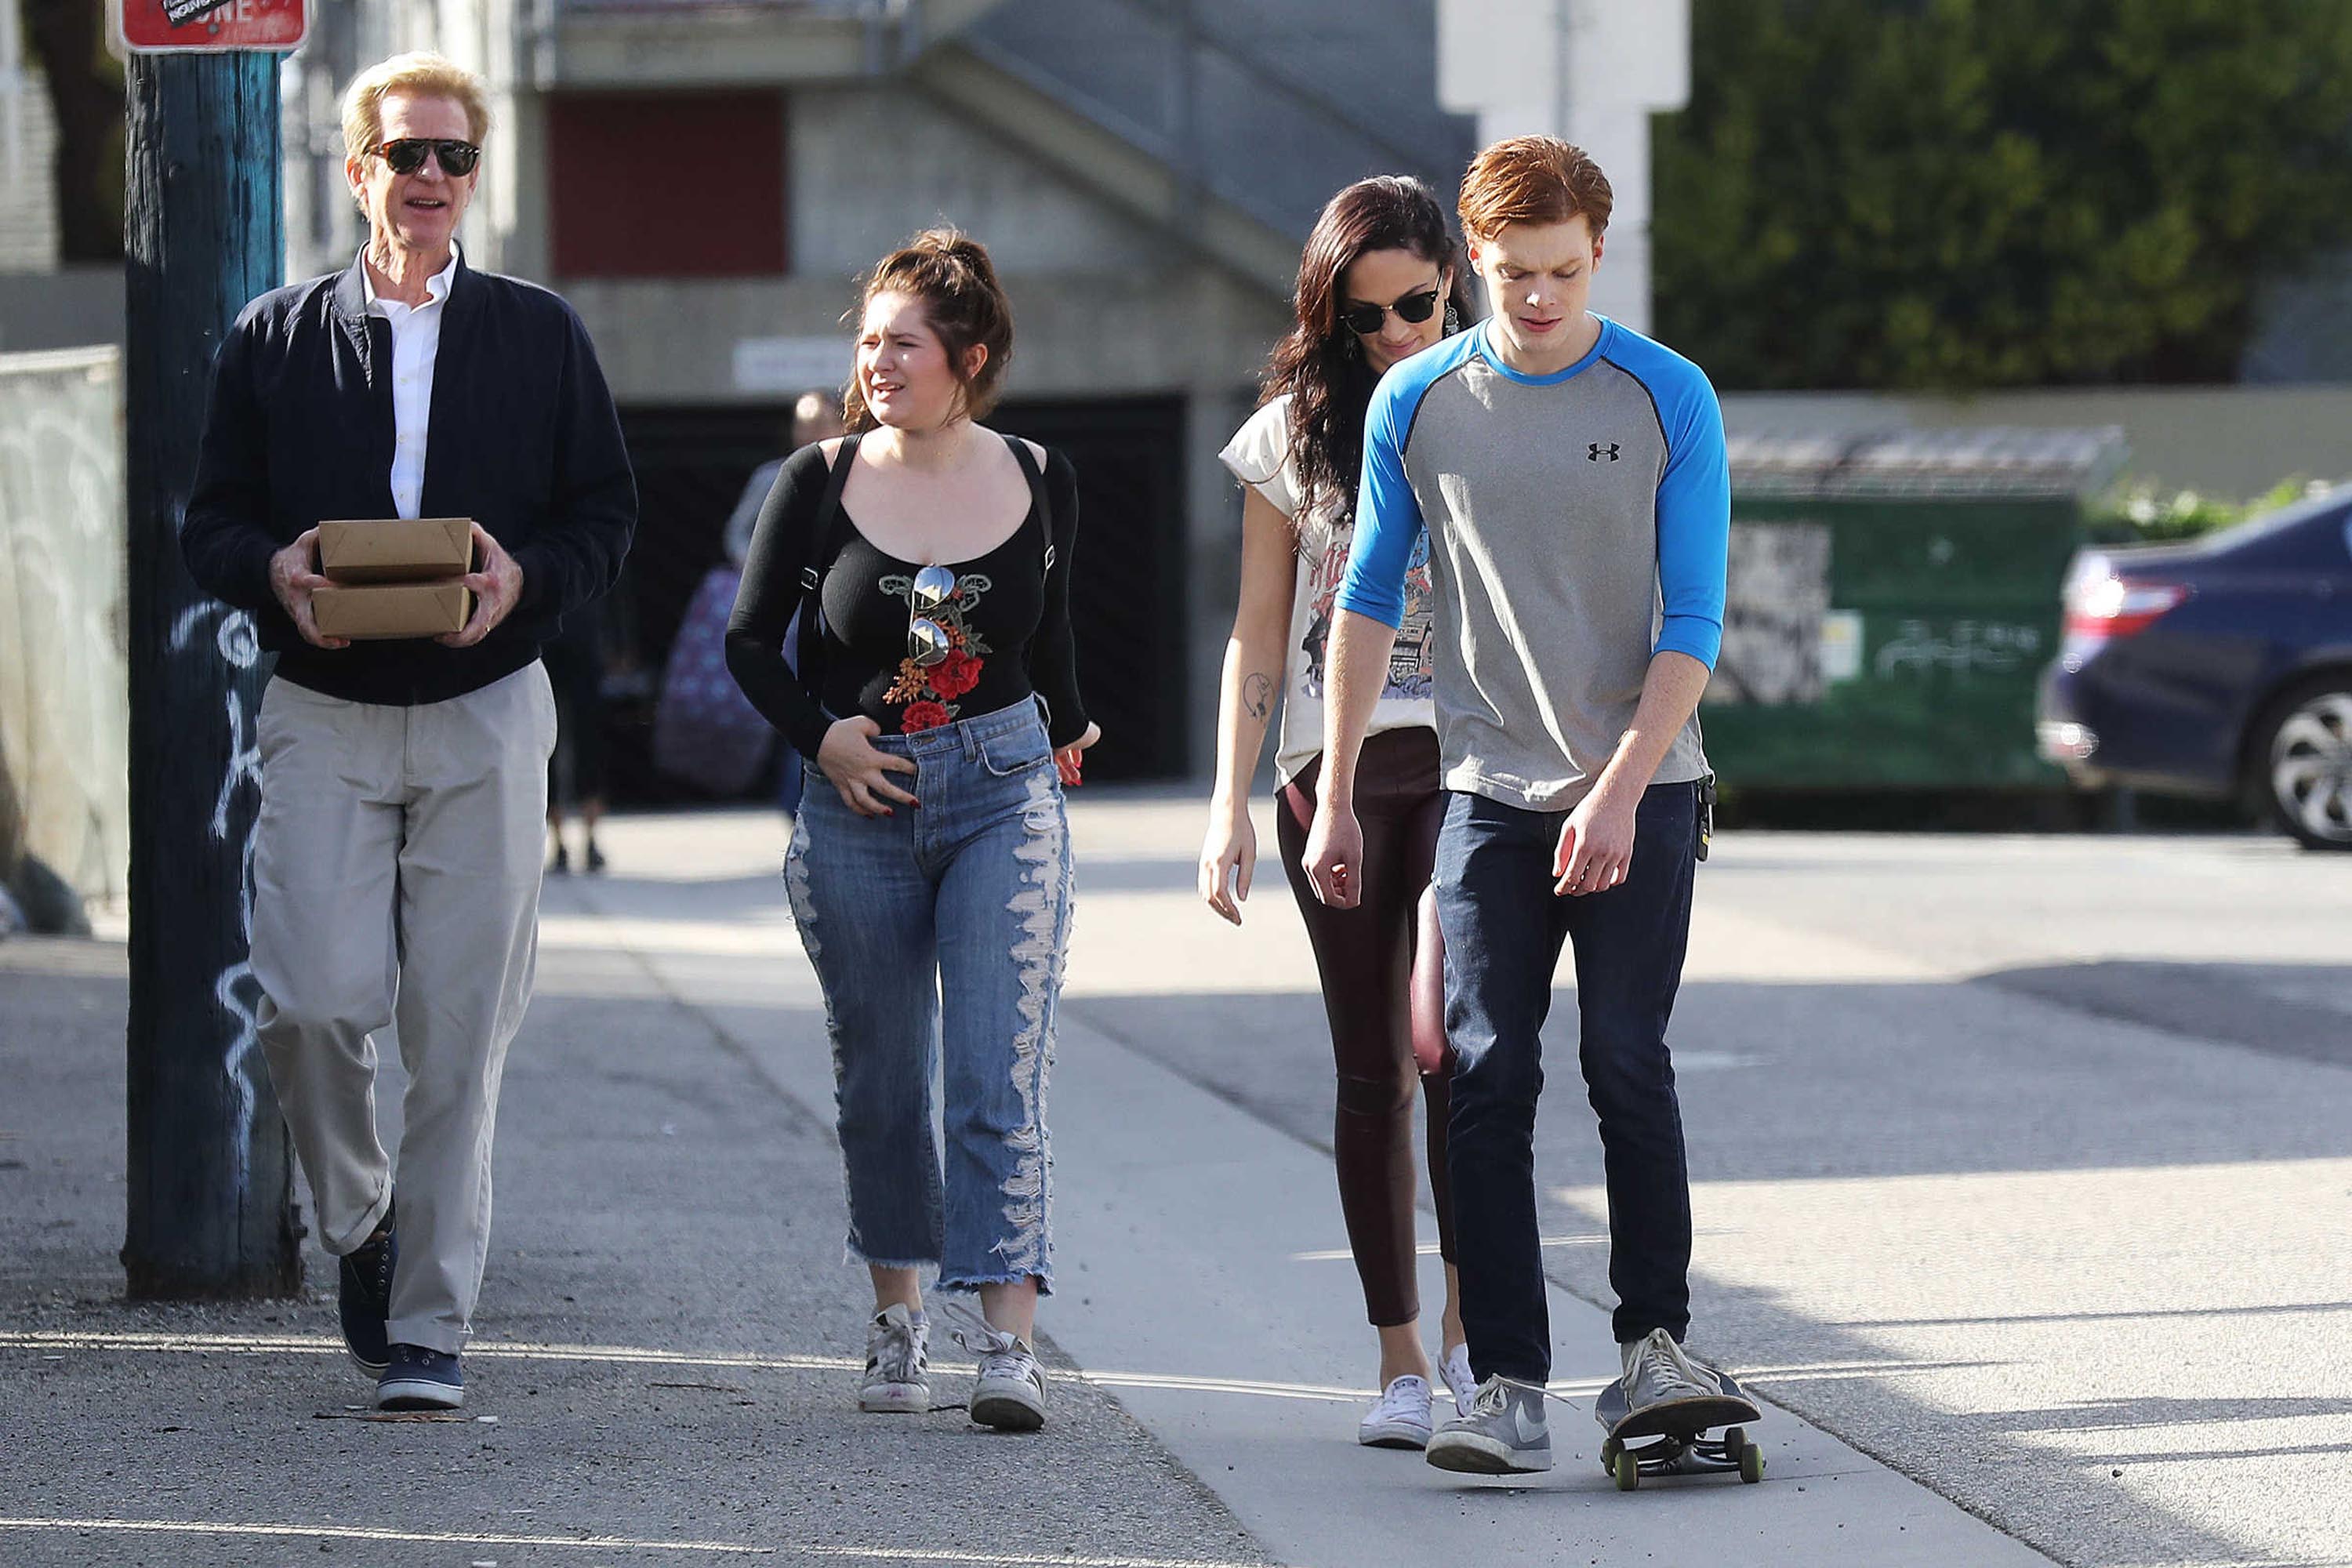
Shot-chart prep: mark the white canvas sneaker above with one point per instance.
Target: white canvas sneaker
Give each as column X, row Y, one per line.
column 898, row 1364
column 1010, row 1392
column 1459, row 1379
column 1400, row 1418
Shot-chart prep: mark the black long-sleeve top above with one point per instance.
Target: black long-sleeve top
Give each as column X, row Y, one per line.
column 522, row 439
column 1010, row 619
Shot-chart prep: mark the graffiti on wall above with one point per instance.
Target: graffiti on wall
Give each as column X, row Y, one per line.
column 1962, row 647
column 1778, row 598
column 64, row 669
column 202, row 630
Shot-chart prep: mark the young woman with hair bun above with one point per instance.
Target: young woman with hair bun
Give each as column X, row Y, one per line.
column 936, row 708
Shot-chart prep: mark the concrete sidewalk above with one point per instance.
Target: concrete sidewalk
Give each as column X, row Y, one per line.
column 669, row 1334
column 667, row 1362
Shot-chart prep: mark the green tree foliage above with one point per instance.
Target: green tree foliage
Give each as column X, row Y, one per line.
column 1995, row 192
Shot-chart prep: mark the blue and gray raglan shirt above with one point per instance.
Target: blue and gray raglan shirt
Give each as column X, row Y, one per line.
column 1579, row 524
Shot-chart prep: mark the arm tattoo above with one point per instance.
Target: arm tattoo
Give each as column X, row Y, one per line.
column 1257, row 696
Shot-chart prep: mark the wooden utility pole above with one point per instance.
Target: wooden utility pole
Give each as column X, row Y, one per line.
column 211, row 1175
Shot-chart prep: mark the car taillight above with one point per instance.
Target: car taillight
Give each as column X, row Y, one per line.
column 2101, row 606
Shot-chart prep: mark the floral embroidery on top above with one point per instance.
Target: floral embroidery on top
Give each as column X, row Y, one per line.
column 930, row 692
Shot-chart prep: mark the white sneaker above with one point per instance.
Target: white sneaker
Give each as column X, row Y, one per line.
column 1010, row 1392
column 897, row 1362
column 1398, row 1417
column 1458, row 1377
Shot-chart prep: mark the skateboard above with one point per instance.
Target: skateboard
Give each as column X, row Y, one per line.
column 1659, row 1439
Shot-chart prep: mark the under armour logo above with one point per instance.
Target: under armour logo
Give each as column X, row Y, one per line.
column 1593, row 451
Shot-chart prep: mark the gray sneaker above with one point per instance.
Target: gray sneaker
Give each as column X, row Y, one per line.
column 897, row 1362
column 1657, row 1370
column 1010, row 1392
column 1502, row 1433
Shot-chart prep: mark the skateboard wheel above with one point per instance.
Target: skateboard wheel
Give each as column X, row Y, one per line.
column 1628, row 1471
column 1751, row 1464
column 1734, row 1440
column 1610, row 1448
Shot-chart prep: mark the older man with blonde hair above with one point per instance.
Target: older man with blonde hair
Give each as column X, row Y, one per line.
column 397, row 863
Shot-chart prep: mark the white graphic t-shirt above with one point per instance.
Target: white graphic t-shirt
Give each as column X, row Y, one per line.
column 1259, row 456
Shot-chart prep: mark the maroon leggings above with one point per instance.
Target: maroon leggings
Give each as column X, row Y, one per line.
column 1383, row 970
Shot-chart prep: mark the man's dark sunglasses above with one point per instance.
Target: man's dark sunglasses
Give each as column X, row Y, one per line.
column 1365, row 320
column 457, row 157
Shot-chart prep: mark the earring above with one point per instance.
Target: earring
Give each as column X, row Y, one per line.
column 1453, row 318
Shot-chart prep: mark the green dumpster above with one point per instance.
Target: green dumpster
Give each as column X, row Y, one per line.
column 1893, row 600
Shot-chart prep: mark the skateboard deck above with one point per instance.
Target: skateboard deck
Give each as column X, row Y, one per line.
column 1661, row 1438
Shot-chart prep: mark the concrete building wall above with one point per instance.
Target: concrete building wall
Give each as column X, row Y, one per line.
column 872, row 162
column 1105, row 306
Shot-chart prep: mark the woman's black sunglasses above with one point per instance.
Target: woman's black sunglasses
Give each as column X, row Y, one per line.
column 457, row 157
column 1365, row 320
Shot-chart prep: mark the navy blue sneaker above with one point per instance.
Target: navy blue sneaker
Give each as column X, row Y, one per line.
column 420, row 1379
column 366, row 1297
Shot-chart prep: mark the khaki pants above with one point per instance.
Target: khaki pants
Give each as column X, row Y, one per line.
column 396, row 878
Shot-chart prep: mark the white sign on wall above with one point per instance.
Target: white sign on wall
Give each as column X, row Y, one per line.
column 781, row 366
column 1841, row 647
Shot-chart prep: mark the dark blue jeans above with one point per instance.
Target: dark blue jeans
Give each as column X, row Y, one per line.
column 1504, row 926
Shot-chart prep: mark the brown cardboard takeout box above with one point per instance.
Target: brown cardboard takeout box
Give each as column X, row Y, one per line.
column 395, row 577
column 395, row 549
column 366, row 612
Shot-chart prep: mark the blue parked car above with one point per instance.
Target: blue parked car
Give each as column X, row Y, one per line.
column 2218, row 668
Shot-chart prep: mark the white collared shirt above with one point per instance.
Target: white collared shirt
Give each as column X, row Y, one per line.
column 415, row 344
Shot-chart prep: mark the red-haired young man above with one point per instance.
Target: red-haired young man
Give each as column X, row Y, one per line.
column 1570, row 474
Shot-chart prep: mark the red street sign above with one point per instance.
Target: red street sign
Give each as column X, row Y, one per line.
column 170, row 27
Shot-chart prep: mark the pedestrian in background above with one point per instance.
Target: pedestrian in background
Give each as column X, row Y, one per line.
column 575, row 659
column 1571, row 478
column 403, row 788
column 936, row 700
column 1380, row 281
column 816, row 417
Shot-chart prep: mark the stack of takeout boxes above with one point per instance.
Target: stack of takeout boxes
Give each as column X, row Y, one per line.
column 395, row 577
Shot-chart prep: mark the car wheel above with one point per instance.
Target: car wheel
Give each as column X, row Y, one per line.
column 2304, row 763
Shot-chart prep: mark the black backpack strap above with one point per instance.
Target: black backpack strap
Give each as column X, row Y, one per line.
column 1044, row 501
column 1037, row 494
column 828, row 513
column 824, row 545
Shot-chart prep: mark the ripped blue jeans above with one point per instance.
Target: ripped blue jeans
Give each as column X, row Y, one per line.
column 966, row 897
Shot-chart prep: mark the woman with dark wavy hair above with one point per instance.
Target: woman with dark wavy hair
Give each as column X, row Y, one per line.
column 1381, row 279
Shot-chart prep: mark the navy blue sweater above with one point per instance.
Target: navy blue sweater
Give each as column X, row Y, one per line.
column 522, row 439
